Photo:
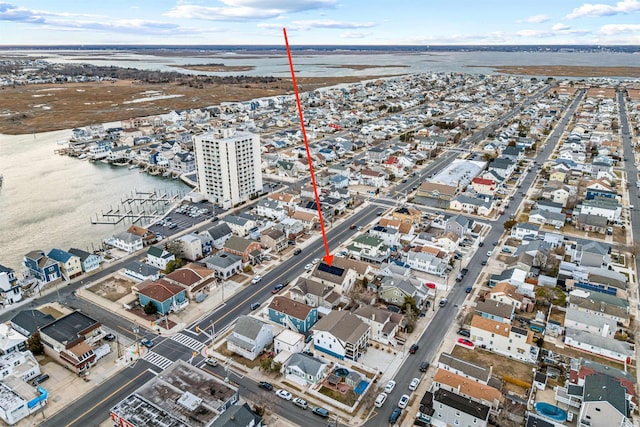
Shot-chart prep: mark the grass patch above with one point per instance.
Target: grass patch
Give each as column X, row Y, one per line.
column 349, row 398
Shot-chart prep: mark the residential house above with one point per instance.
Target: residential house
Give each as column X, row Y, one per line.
column 582, row 321
column 126, row 241
column 292, row 314
column 544, row 217
column 219, row 234
column 140, row 271
column 190, row 247
column 503, row 167
column 338, row 275
column 608, row 208
column 193, row 278
column 70, row 265
column 592, row 223
column 289, row 342
column 507, row 294
column 240, row 225
column 342, row 335
column 525, row 229
column 473, row 205
column 548, row 205
column 459, row 225
column 369, row 248
column 28, row 322
column 604, row 403
column 434, row 190
column 394, row 290
column 148, row 237
column 309, row 369
column 600, row 304
column 224, row 264
column 272, row 209
column 43, row 268
column 382, row 326
column 249, row 250
column 274, row 239
column 428, row 259
column 314, row 293
column 407, row 215
column 164, row 295
column 620, row 351
column 69, row 340
column 472, row 390
column 291, row 227
column 88, row 261
column 389, row 236
column 504, row 338
column 476, row 373
column 486, row 187
column 373, row 178
column 159, row 257
column 10, row 290
column 447, row 408
column 308, row 220
column 11, row 341
column 249, row 337
column 495, row 310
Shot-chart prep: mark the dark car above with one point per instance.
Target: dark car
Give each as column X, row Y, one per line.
column 464, row 332
column 464, row 271
column 468, row 290
column 484, row 262
column 495, row 243
column 413, row 348
column 277, row 288
column 265, row 385
column 321, row 412
column 291, row 242
column 110, row 337
column 393, row 418
column 39, row 379
column 424, row 366
column 298, row 251
column 147, row 343
column 352, row 227
column 481, row 244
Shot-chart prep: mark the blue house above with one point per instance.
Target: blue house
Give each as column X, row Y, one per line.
column 294, row 315
column 88, row 260
column 592, row 193
column 166, row 296
column 42, row 267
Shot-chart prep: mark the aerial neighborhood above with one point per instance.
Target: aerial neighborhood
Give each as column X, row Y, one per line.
column 465, row 255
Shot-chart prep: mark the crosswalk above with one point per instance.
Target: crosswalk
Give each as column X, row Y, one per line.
column 189, row 342
column 157, row 359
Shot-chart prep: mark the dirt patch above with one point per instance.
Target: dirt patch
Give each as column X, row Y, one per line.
column 48, row 107
column 228, row 354
column 502, row 366
column 113, row 288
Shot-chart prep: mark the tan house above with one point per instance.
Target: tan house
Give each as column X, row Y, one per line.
column 193, row 278
column 249, row 250
column 465, row 387
column 274, row 239
column 407, row 215
column 314, row 293
column 506, row 293
column 148, row 236
column 484, row 186
column 434, row 190
column 308, row 220
column 504, row 338
column 342, row 277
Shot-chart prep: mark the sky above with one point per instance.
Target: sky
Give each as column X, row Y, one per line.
column 319, row 22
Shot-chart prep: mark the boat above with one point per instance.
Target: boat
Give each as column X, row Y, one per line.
column 82, row 156
column 133, row 166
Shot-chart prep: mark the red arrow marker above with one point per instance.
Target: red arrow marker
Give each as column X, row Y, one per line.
column 328, row 258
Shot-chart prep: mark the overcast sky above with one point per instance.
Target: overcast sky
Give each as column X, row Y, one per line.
column 328, row 22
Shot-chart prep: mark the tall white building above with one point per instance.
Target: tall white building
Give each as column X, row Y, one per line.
column 228, row 166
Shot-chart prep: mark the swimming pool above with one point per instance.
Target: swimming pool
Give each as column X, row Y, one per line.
column 551, row 411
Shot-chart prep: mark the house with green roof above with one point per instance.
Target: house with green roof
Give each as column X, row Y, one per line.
column 369, row 248
column 159, row 257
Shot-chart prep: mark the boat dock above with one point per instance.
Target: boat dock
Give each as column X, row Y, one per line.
column 139, row 206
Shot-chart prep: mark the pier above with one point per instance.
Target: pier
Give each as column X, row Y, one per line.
column 139, row 206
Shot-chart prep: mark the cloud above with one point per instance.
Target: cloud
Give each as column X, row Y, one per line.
column 354, row 35
column 615, row 29
column 324, row 23
column 536, row 19
column 591, row 10
column 247, row 9
column 560, row 27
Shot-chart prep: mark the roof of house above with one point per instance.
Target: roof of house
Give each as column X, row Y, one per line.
column 309, row 286
column 467, row 386
column 468, row 368
column 495, row 308
column 60, row 255
column 238, row 416
column 468, row 406
column 238, row 244
column 219, row 231
column 290, row 307
column 31, row 320
column 68, row 328
column 594, row 340
column 342, row 324
column 307, row 364
column 222, row 259
column 159, row 290
column 190, row 274
column 141, row 268
column 373, row 313
column 248, row 327
column 599, row 387
column 489, row 325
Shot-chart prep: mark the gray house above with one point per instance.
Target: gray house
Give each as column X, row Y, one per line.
column 310, row 369
column 225, row 264
column 448, row 408
column 249, row 337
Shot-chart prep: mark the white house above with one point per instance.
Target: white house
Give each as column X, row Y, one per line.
column 342, row 335
column 159, row 257
column 504, row 339
column 126, row 241
column 249, row 337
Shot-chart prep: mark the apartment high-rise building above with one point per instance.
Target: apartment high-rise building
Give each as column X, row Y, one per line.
column 228, row 166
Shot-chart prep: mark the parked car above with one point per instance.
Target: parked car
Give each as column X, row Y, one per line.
column 382, row 397
column 388, row 388
column 464, row 271
column 109, row 337
column 505, row 250
column 315, row 261
column 308, row 267
column 39, row 379
column 484, row 262
column 466, row 342
column 256, row 279
column 443, row 302
column 321, row 412
column 255, row 306
column 393, row 418
column 468, row 290
column 489, row 253
column 283, row 394
column 298, row 251
column 211, row 361
column 414, row 384
column 277, row 288
column 265, row 385
column 413, row 348
column 300, row 402
column 424, row 366
column 404, row 399
column 480, row 244
column 464, row 332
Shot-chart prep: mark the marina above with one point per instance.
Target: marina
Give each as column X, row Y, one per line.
column 140, row 207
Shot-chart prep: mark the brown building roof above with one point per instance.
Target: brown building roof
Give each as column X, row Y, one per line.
column 160, row 290
column 467, row 386
column 189, row 274
column 290, row 307
column 490, row 325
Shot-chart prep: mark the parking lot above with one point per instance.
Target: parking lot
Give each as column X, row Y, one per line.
column 183, row 217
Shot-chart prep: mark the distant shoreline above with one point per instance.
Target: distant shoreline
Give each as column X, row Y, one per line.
column 579, row 71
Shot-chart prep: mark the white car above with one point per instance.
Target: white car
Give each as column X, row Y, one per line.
column 300, row 402
column 256, row 279
column 414, row 384
column 382, row 397
column 402, row 403
column 489, row 253
column 390, row 386
column 316, row 260
column 283, row 394
column 308, row 267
